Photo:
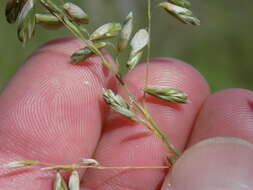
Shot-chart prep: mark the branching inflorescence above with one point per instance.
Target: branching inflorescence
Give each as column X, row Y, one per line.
column 24, row 13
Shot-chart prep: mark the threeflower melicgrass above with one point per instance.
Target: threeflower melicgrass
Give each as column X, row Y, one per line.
column 69, row 15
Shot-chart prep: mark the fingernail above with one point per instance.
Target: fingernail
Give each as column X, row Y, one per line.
column 214, row 164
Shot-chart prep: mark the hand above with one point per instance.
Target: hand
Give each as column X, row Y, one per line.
column 53, row 111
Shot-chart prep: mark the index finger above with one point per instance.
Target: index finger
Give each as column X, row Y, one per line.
column 50, row 111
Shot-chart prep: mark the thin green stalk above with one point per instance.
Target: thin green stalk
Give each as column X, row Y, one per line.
column 117, row 58
column 100, row 167
column 155, row 128
column 125, row 167
column 148, row 50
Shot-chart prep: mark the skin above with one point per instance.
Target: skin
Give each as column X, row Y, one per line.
column 53, row 111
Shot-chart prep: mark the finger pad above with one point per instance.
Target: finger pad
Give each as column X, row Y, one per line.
column 227, row 113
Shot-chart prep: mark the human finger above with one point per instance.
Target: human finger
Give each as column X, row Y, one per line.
column 228, row 113
column 213, row 164
column 223, row 163
column 125, row 143
column 51, row 111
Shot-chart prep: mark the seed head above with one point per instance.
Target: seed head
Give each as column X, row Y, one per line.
column 12, row 10
column 74, row 181
column 181, row 13
column 48, row 21
column 126, row 32
column 139, row 41
column 59, row 182
column 89, row 162
column 133, row 60
column 106, row 31
column 26, row 22
column 118, row 104
column 23, row 163
column 76, row 13
column 167, row 93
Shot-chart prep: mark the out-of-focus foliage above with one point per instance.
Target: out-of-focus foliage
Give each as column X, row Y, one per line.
column 221, row 48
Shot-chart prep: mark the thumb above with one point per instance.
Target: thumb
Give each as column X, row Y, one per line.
column 214, row 164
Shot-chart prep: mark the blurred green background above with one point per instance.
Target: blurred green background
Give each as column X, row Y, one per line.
column 221, row 48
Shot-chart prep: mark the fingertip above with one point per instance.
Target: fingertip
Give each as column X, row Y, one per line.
column 51, row 111
column 52, row 61
column 227, row 113
column 213, row 164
